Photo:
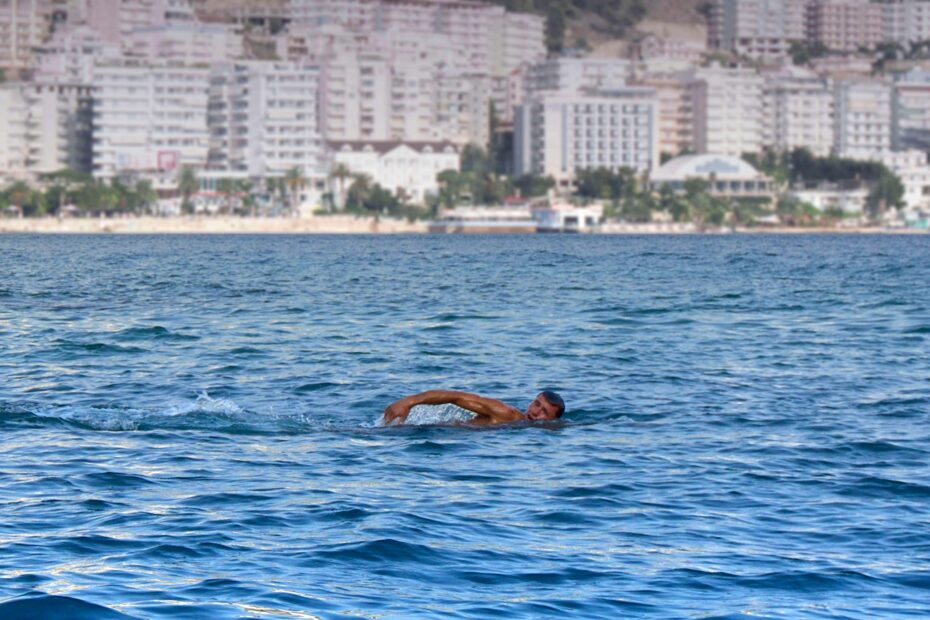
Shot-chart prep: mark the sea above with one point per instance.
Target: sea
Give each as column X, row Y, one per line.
column 190, row 427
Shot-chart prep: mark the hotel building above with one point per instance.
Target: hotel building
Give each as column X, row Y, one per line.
column 559, row 134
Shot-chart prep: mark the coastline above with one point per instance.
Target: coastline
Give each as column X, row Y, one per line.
column 349, row 224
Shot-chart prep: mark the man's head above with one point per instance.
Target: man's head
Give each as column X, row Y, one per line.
column 546, row 406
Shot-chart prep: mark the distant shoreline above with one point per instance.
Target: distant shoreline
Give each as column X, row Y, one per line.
column 343, row 224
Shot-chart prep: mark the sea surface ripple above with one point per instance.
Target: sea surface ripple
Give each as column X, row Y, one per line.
column 189, row 427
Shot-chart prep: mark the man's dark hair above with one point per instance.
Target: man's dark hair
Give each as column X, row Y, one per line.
column 554, row 399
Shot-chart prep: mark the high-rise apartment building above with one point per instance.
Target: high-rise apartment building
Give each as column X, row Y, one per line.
column 728, row 110
column 263, row 118
column 149, row 117
column 559, row 134
column 862, row 118
column 845, row 25
column 762, row 29
column 24, row 25
column 906, row 21
column 911, row 111
column 116, row 19
column 14, row 148
column 798, row 112
column 188, row 42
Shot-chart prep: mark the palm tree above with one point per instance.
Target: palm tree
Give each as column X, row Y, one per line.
column 295, row 180
column 187, row 185
column 341, row 172
column 226, row 187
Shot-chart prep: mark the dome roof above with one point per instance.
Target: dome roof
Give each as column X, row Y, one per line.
column 723, row 167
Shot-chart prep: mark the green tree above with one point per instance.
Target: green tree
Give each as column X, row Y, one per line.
column 188, row 185
column 532, row 186
column 296, row 181
column 555, row 29
column 886, row 193
column 341, row 172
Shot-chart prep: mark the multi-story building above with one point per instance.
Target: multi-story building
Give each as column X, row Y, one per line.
column 117, row 19
column 189, row 42
column 862, row 118
column 845, row 25
column 728, row 110
column 762, row 29
column 149, row 117
column 14, row 148
column 906, row 21
column 263, row 118
column 912, row 168
column 24, row 25
column 676, row 111
column 559, row 134
column 798, row 112
column 910, row 112
column 575, row 74
column 490, row 39
column 70, row 54
column 407, row 169
column 58, row 128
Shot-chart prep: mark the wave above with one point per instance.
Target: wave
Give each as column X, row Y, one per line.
column 41, row 606
column 204, row 413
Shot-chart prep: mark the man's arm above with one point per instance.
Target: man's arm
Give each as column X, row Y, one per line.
column 497, row 411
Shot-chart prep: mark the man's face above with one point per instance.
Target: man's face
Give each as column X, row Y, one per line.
column 541, row 409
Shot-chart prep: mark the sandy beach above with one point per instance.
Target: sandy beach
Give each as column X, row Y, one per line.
column 349, row 224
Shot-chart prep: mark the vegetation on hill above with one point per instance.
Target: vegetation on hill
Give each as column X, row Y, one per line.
column 615, row 17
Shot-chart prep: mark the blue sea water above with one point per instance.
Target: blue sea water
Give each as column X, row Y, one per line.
column 189, row 427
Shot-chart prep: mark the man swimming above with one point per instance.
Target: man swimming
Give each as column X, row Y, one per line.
column 546, row 406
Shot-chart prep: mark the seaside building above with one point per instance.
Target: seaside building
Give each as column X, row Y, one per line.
column 911, row 111
column 149, row 117
column 727, row 105
column 14, row 148
column 845, row 25
column 24, row 25
column 760, row 29
column 58, row 127
column 913, row 169
column 263, row 119
column 862, row 118
column 726, row 176
column 798, row 111
column 558, row 134
column 406, row 169
column 905, row 21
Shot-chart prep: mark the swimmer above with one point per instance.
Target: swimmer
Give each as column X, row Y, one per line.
column 546, row 406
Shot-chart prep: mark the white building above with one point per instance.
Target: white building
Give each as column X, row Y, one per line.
column 799, row 112
column 187, row 42
column 762, row 29
column 575, row 74
column 913, row 169
column 726, row 176
column 263, row 118
column 149, row 117
column 911, row 111
column 862, row 118
column 117, row 19
column 406, row 170
column 70, row 54
column 674, row 93
column 490, row 39
column 395, row 86
column 906, row 21
column 728, row 110
column 14, row 147
column 559, row 134
column 24, row 25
